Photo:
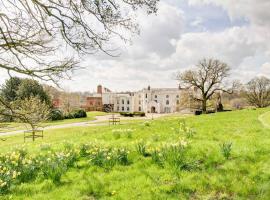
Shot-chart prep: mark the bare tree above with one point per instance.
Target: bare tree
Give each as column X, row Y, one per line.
column 258, row 92
column 206, row 79
column 35, row 33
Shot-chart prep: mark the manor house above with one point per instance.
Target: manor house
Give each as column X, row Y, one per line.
column 148, row 100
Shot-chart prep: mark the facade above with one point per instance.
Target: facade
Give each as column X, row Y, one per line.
column 94, row 104
column 148, row 100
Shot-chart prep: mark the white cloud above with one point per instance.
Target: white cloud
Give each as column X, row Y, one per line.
column 164, row 47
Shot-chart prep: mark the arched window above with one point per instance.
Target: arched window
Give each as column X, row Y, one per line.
column 177, row 102
column 140, row 109
column 155, row 96
column 177, row 96
column 167, row 102
column 167, row 96
column 127, row 101
column 123, row 101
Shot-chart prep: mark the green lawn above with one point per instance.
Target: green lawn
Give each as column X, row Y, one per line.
column 12, row 126
column 167, row 168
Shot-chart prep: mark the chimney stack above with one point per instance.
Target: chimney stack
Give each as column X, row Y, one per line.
column 99, row 89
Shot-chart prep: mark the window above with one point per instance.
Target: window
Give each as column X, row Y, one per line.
column 167, row 102
column 140, row 109
column 146, row 96
column 117, row 108
column 177, row 102
column 167, row 96
column 140, row 102
column 123, row 108
column 127, row 101
column 127, row 108
column 156, row 101
column 123, row 101
column 117, row 101
column 177, row 96
column 155, row 96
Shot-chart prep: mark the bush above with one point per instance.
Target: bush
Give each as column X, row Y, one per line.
column 76, row 114
column 56, row 115
column 141, row 114
column 79, row 114
column 130, row 114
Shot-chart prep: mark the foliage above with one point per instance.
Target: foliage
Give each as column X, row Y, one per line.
column 79, row 114
column 29, row 88
column 183, row 128
column 141, row 148
column 132, row 114
column 10, row 88
column 56, row 114
column 226, row 149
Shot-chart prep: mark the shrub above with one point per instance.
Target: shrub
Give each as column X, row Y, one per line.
column 56, row 115
column 226, row 149
column 79, row 114
column 130, row 114
column 141, row 114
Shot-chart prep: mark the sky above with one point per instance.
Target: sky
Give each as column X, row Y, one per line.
column 176, row 38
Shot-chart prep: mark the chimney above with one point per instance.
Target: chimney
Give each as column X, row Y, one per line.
column 99, row 89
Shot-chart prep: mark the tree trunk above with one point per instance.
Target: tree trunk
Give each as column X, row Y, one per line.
column 204, row 101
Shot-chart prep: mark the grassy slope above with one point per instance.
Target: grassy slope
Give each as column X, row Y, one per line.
column 245, row 176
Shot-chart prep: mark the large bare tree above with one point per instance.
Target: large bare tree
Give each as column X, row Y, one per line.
column 207, row 78
column 34, row 34
column 258, row 92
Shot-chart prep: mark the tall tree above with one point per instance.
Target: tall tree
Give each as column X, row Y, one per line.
column 258, row 92
column 206, row 79
column 30, row 87
column 10, row 88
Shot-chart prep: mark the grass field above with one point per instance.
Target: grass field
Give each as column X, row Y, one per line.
column 159, row 159
column 12, row 126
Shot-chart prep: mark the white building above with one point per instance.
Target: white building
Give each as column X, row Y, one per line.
column 148, row 100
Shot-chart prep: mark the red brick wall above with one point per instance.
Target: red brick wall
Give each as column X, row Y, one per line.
column 94, row 104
